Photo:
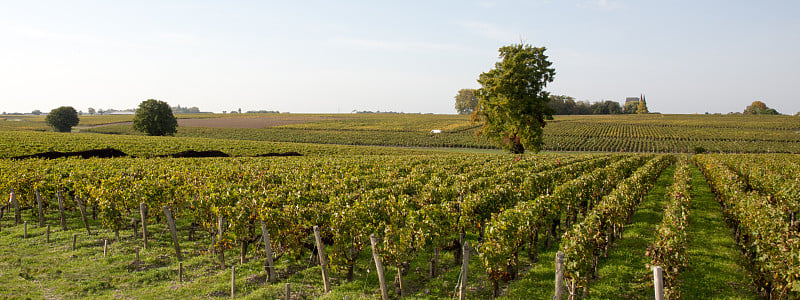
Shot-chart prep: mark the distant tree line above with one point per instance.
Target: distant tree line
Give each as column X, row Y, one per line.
column 467, row 102
column 383, row 112
column 262, row 112
column 566, row 105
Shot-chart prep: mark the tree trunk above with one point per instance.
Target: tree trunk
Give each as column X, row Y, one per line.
column 533, row 249
column 243, row 254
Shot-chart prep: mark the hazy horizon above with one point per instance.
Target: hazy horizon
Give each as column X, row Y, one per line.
column 322, row 57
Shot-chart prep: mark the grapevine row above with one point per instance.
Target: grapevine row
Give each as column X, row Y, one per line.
column 767, row 240
column 586, row 241
column 669, row 249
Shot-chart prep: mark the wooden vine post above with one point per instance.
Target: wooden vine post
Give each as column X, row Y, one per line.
column 82, row 207
column 269, row 264
column 559, row 292
column 432, row 264
column 15, row 203
column 143, row 214
column 60, row 197
column 221, row 228
column 379, row 267
column 173, row 230
column 233, row 281
column 39, row 206
column 323, row 261
column 464, row 270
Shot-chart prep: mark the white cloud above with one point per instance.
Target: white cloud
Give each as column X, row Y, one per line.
column 601, row 4
column 491, row 31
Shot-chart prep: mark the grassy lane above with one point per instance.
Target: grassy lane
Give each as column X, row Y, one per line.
column 715, row 264
column 624, row 274
column 539, row 281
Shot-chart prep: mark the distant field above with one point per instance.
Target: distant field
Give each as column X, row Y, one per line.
column 618, row 133
column 16, row 143
column 613, row 133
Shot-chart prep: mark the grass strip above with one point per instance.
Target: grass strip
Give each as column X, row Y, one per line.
column 715, row 263
column 624, row 274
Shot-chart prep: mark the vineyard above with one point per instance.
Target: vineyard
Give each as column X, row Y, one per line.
column 614, row 133
column 441, row 224
column 514, row 211
column 627, row 133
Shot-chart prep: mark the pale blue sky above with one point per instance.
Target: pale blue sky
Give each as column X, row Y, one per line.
column 410, row 56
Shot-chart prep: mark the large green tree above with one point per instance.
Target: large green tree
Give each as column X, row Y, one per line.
column 62, row 119
column 466, row 101
column 155, row 117
column 512, row 100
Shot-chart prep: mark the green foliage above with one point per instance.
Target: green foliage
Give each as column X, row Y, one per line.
column 512, row 99
column 585, row 241
column 62, row 119
column 630, row 107
column 155, row 117
column 699, row 150
column 466, row 101
column 606, row 107
column 641, row 108
column 759, row 108
column 562, row 105
column 669, row 250
column 761, row 216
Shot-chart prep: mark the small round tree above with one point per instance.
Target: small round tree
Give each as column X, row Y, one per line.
column 62, row 119
column 155, row 117
column 466, row 101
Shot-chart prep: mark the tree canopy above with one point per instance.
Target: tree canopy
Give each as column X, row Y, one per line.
column 759, row 108
column 606, row 107
column 466, row 101
column 630, row 107
column 62, row 119
column 155, row 117
column 512, row 101
column 642, row 107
